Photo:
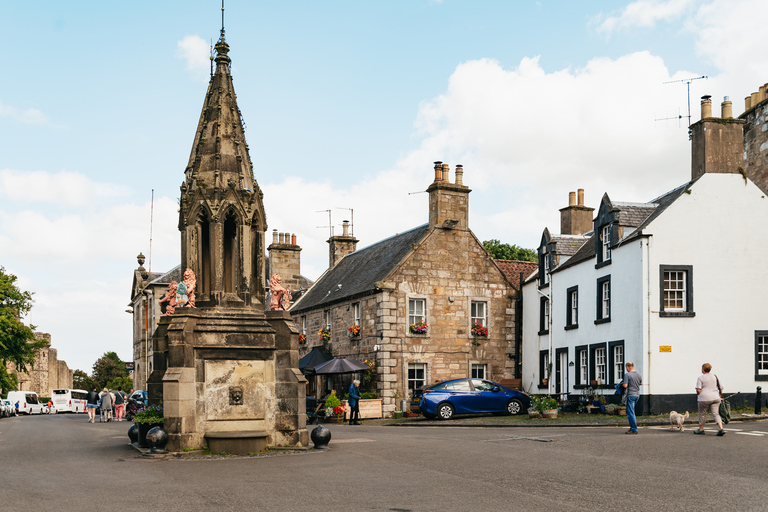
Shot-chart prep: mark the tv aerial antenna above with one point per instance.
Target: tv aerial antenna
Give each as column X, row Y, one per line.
column 352, row 218
column 330, row 223
column 687, row 82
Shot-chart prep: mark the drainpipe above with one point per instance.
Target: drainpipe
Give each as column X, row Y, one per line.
column 648, row 308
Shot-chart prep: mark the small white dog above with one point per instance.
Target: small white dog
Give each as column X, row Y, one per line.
column 676, row 420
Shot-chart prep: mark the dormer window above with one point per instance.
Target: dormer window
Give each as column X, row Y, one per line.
column 546, row 268
column 605, row 239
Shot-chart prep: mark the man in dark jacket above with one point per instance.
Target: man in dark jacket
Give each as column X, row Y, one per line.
column 92, row 401
column 354, row 403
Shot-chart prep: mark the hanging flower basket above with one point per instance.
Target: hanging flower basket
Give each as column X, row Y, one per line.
column 479, row 330
column 302, row 339
column 353, row 332
column 324, row 335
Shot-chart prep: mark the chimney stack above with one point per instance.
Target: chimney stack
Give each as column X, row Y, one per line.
column 340, row 246
column 285, row 259
column 438, row 171
column 717, row 144
column 575, row 219
column 449, row 202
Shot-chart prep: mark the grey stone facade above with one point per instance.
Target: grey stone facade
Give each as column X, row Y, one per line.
column 46, row 373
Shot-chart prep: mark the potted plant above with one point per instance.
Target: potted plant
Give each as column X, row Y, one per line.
column 324, row 335
column 353, row 333
column 419, row 328
column 147, row 418
column 545, row 405
column 334, row 411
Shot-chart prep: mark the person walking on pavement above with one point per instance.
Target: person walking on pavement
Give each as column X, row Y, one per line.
column 354, row 403
column 632, row 382
column 119, row 404
column 106, row 405
column 92, row 401
column 710, row 390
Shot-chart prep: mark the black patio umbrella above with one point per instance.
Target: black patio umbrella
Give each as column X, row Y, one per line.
column 316, row 357
column 340, row 365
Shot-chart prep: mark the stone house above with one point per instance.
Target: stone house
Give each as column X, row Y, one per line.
column 146, row 291
column 647, row 285
column 438, row 274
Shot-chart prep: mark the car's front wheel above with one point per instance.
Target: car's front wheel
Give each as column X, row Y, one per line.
column 514, row 406
column 445, row 411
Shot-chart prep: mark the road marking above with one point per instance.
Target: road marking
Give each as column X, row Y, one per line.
column 524, row 438
column 761, row 434
column 353, row 441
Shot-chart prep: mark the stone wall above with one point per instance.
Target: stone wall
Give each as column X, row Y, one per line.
column 46, row 372
column 756, row 144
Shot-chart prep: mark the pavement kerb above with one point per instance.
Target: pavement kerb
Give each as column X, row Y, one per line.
column 593, row 421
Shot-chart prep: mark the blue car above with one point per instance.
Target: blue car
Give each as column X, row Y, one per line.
column 470, row 396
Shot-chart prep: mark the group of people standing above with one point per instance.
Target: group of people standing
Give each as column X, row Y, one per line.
column 708, row 388
column 106, row 401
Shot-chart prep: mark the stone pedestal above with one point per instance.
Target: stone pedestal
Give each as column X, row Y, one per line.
column 228, row 370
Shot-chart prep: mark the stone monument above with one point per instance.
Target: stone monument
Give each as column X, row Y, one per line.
column 225, row 369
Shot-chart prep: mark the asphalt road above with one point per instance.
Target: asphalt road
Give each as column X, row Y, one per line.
column 61, row 462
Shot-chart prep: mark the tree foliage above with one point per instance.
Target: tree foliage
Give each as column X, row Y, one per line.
column 500, row 251
column 120, row 382
column 17, row 340
column 81, row 380
column 107, row 368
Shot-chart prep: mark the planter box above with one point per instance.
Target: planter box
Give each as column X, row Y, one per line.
column 533, row 414
column 552, row 413
column 369, row 409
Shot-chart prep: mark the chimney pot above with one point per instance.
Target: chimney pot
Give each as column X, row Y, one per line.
column 274, row 236
column 727, row 108
column 446, row 172
column 747, row 103
column 706, row 106
column 571, row 198
column 438, row 171
column 459, row 174
column 581, row 197
column 345, row 227
column 755, row 99
column 293, row 239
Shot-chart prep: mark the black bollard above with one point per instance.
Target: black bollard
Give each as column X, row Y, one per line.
column 757, row 399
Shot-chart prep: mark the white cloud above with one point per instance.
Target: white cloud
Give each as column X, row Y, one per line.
column 31, row 116
column 196, row 52
column 643, row 13
column 65, row 189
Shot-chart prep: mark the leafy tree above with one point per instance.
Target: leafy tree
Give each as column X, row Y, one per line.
column 81, row 380
column 8, row 381
column 501, row 251
column 107, row 368
column 120, row 382
column 17, row 341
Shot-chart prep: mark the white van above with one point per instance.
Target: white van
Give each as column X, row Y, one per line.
column 28, row 402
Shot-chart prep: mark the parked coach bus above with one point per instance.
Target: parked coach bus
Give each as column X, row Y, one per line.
column 69, row 400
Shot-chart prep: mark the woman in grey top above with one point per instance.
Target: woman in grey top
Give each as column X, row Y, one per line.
column 709, row 389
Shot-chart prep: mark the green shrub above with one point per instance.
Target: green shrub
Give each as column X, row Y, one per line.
column 543, row 403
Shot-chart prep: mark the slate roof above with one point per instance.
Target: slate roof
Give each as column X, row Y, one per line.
column 632, row 215
column 172, row 275
column 513, row 268
column 357, row 273
column 568, row 245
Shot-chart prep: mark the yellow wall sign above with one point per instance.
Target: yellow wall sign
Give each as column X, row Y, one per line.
column 665, row 348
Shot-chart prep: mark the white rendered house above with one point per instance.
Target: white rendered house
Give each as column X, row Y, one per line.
column 669, row 285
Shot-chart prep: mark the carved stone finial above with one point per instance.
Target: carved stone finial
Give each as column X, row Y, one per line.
column 140, row 258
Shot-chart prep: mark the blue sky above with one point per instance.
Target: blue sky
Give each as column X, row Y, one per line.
column 347, row 104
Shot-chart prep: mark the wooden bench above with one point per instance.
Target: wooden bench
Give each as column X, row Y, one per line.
column 240, row 442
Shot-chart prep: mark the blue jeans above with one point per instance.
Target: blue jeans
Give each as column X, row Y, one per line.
column 631, row 401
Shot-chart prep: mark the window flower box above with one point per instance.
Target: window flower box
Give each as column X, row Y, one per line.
column 353, row 333
column 419, row 328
